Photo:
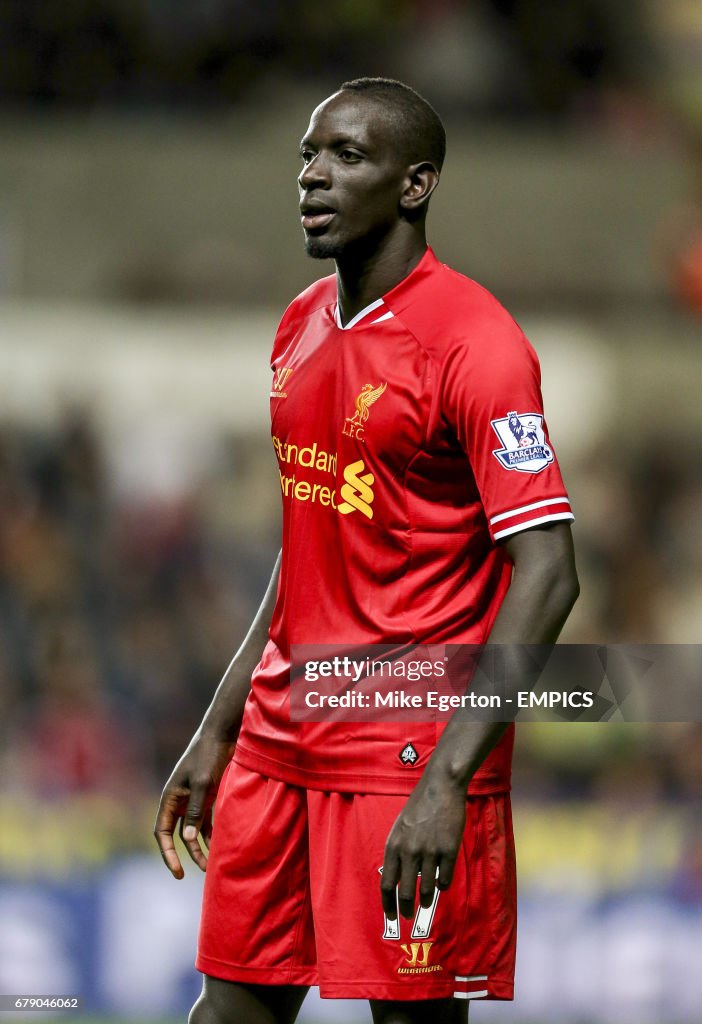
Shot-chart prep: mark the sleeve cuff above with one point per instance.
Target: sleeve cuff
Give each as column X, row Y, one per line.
column 550, row 510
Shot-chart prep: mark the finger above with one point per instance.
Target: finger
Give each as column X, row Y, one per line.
column 198, row 806
column 197, row 854
column 390, row 875
column 166, row 819
column 446, row 868
column 408, row 885
column 206, row 828
column 427, row 885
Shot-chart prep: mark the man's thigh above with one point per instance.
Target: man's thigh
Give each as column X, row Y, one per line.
column 460, row 948
column 256, row 924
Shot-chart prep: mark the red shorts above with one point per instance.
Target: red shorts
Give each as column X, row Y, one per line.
column 292, row 897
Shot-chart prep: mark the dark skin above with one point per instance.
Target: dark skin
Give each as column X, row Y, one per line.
column 426, row 837
column 376, row 233
column 363, row 204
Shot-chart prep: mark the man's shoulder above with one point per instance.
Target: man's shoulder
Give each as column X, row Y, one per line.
column 446, row 308
column 317, row 296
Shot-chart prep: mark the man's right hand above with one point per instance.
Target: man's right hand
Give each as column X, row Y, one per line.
column 189, row 797
column 189, row 794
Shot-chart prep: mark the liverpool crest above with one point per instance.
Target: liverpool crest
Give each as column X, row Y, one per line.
column 354, row 425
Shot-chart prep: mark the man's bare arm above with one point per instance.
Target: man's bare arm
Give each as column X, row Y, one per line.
column 426, row 837
column 190, row 792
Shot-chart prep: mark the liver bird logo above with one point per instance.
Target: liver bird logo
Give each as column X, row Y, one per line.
column 368, row 396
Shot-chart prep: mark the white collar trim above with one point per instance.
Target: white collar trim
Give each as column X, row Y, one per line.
column 361, row 315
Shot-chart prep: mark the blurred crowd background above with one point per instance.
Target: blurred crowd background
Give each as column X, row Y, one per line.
column 148, row 243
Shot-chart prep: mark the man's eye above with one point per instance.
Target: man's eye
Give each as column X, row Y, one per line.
column 306, row 155
column 349, row 155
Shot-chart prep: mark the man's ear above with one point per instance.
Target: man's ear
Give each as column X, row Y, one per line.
column 420, row 182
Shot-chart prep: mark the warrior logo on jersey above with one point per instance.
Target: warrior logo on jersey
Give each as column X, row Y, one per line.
column 279, row 379
column 524, row 446
column 353, row 425
column 408, row 755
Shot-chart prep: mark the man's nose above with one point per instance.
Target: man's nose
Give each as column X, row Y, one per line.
column 315, row 174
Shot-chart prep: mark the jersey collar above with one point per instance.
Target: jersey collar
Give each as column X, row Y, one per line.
column 381, row 309
column 378, row 308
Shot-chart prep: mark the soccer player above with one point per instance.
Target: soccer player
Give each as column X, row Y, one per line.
column 422, row 504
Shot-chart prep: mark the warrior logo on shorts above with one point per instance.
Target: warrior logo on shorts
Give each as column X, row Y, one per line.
column 524, row 446
column 417, row 953
column 408, row 755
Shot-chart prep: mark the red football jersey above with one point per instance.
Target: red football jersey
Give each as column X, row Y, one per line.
column 409, row 443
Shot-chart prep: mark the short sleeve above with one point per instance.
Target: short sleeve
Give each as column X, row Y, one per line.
column 491, row 399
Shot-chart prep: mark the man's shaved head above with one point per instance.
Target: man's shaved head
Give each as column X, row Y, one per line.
column 418, row 129
column 371, row 157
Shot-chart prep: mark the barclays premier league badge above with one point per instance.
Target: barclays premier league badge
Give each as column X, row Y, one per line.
column 523, row 442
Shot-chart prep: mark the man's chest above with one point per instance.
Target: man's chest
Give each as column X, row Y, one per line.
column 358, row 394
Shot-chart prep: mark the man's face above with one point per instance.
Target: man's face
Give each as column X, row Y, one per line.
column 352, row 179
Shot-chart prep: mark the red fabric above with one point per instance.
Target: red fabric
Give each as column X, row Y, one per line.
column 292, row 897
column 387, row 506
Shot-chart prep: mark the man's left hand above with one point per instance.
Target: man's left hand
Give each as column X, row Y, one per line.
column 424, row 841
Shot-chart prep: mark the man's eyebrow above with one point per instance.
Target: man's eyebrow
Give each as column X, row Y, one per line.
column 337, row 142
column 348, row 140
column 340, row 141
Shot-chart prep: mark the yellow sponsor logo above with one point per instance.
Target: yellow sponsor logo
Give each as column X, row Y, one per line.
column 417, row 961
column 310, row 456
column 357, row 492
column 354, row 425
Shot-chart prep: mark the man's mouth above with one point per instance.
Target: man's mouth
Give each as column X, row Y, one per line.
column 315, row 216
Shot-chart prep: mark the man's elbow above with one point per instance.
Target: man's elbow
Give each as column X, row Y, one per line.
column 567, row 588
column 562, row 584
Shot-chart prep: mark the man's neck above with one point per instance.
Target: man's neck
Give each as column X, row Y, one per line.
column 361, row 281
